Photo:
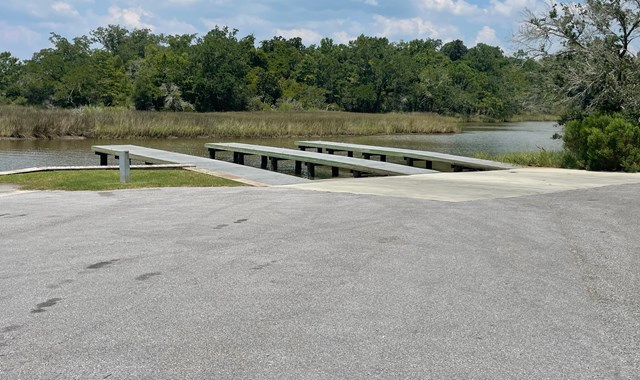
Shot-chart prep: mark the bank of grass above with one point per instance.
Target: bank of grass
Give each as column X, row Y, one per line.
column 542, row 158
column 110, row 180
column 113, row 123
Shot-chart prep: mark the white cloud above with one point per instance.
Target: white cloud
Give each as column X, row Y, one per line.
column 342, row 37
column 457, row 7
column 10, row 34
column 65, row 9
column 249, row 23
column 308, row 36
column 511, row 7
column 188, row 2
column 487, row 35
column 373, row 3
column 21, row 41
column 175, row 26
column 390, row 27
column 129, row 17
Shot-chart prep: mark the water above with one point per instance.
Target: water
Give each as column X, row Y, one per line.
column 491, row 138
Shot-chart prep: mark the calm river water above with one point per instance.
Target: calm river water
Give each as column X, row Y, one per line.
column 492, row 138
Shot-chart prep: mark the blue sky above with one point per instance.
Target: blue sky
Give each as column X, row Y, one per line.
column 25, row 24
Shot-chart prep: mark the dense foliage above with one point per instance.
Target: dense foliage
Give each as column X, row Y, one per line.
column 222, row 72
column 591, row 46
column 604, row 142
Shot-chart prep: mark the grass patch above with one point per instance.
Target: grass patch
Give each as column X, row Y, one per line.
column 73, row 180
column 114, row 123
column 542, row 158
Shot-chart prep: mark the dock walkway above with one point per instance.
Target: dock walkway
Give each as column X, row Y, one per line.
column 458, row 163
column 357, row 166
column 245, row 174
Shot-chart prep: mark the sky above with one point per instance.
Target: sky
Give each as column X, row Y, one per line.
column 25, row 25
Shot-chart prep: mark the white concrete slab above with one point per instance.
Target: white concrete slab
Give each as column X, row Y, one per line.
column 467, row 186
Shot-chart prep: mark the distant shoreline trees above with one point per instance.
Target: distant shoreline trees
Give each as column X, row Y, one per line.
column 116, row 67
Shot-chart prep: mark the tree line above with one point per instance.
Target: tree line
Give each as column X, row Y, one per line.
column 592, row 49
column 220, row 71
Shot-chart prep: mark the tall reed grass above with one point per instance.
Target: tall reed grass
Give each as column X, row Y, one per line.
column 107, row 123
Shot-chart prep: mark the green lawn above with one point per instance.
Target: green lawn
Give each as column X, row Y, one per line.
column 110, row 180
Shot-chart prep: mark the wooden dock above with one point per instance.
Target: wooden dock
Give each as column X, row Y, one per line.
column 272, row 155
column 458, row 163
column 240, row 173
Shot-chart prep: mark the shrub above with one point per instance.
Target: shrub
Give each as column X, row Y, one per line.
column 604, row 142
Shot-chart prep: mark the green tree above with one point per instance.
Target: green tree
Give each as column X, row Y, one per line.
column 62, row 75
column 375, row 72
column 455, row 50
column 219, row 67
column 128, row 45
column 594, row 40
column 282, row 55
column 10, row 72
column 332, row 71
column 162, row 76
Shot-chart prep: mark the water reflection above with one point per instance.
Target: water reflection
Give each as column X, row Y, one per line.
column 492, row 138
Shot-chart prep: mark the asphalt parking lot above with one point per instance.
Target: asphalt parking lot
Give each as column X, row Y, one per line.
column 280, row 283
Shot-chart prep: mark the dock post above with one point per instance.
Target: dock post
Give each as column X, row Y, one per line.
column 212, row 154
column 103, row 158
column 349, row 153
column 274, row 164
column 330, row 151
column 311, row 169
column 125, row 166
column 409, row 161
column 238, row 158
column 335, row 171
column 263, row 162
column 298, row 168
column 366, row 156
column 428, row 164
column 383, row 158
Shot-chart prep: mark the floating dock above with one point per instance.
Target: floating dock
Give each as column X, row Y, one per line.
column 458, row 163
column 357, row 166
column 245, row 174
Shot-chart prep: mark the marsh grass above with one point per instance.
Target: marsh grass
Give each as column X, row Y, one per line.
column 106, row 123
column 110, row 180
column 542, row 158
